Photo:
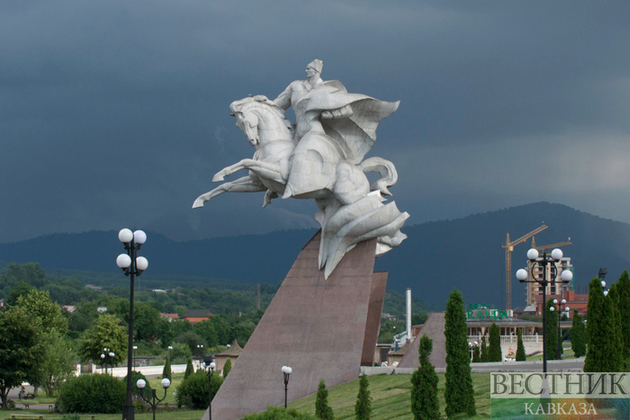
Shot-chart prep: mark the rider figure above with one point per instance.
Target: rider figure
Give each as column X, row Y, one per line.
column 307, row 102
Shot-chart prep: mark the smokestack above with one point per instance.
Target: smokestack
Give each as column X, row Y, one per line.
column 409, row 313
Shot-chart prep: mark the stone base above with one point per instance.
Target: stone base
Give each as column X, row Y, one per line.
column 321, row 329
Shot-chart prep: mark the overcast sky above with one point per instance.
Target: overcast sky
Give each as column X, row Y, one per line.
column 115, row 113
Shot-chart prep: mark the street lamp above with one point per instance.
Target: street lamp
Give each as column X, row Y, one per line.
column 286, row 370
column 562, row 309
column 141, row 384
column 105, row 355
column 134, row 356
column 208, row 363
column 132, row 265
column 546, row 262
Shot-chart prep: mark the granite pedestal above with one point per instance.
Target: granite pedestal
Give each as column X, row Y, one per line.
column 322, row 329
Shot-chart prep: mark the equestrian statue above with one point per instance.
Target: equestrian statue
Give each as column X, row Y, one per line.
column 321, row 157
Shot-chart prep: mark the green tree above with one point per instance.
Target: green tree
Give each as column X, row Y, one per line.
column 484, row 349
column 322, row 409
column 189, row 368
column 31, row 273
column 363, row 407
column 603, row 352
column 459, row 394
column 22, row 288
column 166, row 372
column 623, row 286
column 39, row 304
column 21, row 351
column 227, row 368
column 494, row 352
column 551, row 334
column 615, row 346
column 476, row 354
column 58, row 364
column 107, row 333
column 424, row 391
column 578, row 335
column 520, row 348
column 193, row 340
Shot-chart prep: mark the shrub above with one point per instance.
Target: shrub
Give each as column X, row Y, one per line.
column 192, row 392
column 227, row 368
column 279, row 413
column 92, row 394
column 135, row 376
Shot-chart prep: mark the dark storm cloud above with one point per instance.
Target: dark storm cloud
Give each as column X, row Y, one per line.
column 115, row 113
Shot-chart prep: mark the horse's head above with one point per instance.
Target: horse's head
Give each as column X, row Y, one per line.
column 253, row 113
column 246, row 120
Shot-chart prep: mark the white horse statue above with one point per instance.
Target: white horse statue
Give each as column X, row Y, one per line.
column 317, row 167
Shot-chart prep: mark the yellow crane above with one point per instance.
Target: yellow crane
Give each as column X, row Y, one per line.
column 509, row 247
column 550, row 246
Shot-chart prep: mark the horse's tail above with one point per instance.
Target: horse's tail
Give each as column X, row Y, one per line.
column 389, row 176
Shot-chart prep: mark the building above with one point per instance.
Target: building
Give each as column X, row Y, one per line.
column 535, row 289
column 197, row 315
column 574, row 301
column 170, row 317
column 231, row 353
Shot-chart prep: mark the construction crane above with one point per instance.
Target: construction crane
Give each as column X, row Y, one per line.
column 550, row 246
column 509, row 247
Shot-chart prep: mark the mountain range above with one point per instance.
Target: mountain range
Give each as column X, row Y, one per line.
column 465, row 254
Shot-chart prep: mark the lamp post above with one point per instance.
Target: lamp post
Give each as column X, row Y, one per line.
column 133, row 266
column 546, row 262
column 134, row 356
column 562, row 309
column 141, row 384
column 105, row 355
column 286, row 370
column 210, row 366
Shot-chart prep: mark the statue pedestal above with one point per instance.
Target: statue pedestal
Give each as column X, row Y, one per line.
column 322, row 329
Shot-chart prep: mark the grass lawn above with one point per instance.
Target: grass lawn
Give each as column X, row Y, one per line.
column 162, row 415
column 391, row 397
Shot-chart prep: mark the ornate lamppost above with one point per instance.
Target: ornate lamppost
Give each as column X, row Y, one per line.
column 549, row 265
column 286, row 370
column 133, row 266
column 562, row 309
column 141, row 384
column 107, row 353
column 210, row 366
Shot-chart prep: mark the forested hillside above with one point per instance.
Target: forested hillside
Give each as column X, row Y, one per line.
column 466, row 254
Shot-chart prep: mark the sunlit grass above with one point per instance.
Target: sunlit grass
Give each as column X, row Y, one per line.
column 391, row 397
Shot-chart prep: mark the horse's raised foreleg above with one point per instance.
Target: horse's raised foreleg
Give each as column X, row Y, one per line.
column 244, row 184
column 265, row 170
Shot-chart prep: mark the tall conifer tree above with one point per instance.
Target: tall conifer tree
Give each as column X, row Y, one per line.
column 520, row 348
column 322, row 409
column 623, row 286
column 459, row 394
column 363, row 407
column 484, row 349
column 494, row 352
column 551, row 334
column 424, row 391
column 578, row 335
